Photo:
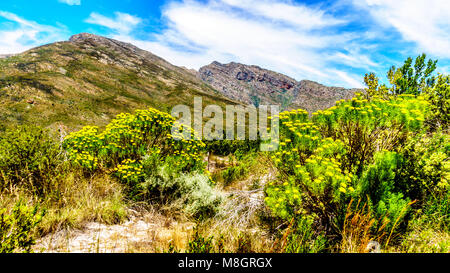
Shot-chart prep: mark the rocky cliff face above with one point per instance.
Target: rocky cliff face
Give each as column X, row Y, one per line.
column 257, row 86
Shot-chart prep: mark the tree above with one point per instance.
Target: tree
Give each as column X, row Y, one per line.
column 407, row 79
column 412, row 80
column 373, row 87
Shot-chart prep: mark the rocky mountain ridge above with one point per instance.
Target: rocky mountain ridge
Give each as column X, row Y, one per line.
column 254, row 85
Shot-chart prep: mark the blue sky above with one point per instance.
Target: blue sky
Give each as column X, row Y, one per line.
column 332, row 42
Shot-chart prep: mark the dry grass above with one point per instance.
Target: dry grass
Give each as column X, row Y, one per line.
column 79, row 199
column 237, row 225
column 91, row 214
column 356, row 233
column 74, row 201
column 425, row 240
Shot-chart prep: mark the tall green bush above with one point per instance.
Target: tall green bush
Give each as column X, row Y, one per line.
column 16, row 228
column 28, row 158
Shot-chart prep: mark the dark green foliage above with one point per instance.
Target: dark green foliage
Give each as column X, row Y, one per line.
column 16, row 228
column 233, row 173
column 379, row 183
column 28, row 158
column 378, row 180
column 437, row 210
column 30, row 81
column 238, row 171
column 236, row 147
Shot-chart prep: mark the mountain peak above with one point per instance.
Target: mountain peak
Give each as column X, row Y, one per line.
column 86, row 36
column 97, row 39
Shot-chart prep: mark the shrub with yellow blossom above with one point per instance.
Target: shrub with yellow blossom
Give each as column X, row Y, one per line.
column 321, row 159
column 127, row 139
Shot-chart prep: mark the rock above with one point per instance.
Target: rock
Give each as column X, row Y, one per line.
column 62, row 71
column 254, row 85
column 373, row 247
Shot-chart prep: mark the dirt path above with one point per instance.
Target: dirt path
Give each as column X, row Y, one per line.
column 145, row 233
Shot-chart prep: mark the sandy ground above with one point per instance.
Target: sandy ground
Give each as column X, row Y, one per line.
column 144, row 233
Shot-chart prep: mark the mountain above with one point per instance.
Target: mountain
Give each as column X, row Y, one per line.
column 90, row 79
column 253, row 85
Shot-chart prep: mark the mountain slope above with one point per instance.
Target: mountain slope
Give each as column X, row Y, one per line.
column 88, row 80
column 254, row 85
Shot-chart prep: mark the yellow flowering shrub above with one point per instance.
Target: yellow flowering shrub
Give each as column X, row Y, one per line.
column 129, row 170
column 321, row 158
column 127, row 139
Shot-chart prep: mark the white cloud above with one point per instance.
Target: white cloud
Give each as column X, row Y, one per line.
column 25, row 34
column 289, row 38
column 122, row 23
column 293, row 14
column 425, row 22
column 71, row 2
column 353, row 59
column 352, row 80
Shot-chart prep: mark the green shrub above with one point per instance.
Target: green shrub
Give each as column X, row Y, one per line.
column 237, row 147
column 437, row 210
column 378, row 179
column 191, row 192
column 237, row 172
column 130, row 137
column 439, row 98
column 426, row 167
column 28, row 158
column 304, row 238
column 378, row 183
column 16, row 228
column 134, row 148
column 347, row 151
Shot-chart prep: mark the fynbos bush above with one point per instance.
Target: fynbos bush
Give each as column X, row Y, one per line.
column 28, row 159
column 16, row 228
column 347, row 151
column 191, row 192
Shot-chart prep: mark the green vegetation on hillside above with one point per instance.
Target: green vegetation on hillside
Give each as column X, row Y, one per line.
column 75, row 84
